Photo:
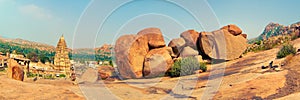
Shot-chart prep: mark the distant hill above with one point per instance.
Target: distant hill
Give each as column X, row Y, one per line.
column 28, row 44
column 275, row 29
column 93, row 54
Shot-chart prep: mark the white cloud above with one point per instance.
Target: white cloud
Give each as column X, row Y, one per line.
column 35, row 11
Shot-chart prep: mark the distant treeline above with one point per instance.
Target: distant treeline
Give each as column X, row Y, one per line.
column 33, row 54
column 36, row 55
column 91, row 57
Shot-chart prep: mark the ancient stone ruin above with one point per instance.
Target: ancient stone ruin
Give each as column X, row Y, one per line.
column 146, row 55
column 61, row 59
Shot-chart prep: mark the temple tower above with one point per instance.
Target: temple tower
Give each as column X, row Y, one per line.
column 61, row 59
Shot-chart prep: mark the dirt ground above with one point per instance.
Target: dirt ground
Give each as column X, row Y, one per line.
column 39, row 90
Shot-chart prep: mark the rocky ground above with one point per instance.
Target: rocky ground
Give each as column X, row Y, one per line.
column 243, row 79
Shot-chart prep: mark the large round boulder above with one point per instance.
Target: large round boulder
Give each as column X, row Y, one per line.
column 191, row 38
column 157, row 62
column 154, row 36
column 177, row 45
column 233, row 29
column 130, row 51
column 188, row 51
column 221, row 44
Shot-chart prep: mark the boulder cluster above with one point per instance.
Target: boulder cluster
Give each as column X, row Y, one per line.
column 145, row 54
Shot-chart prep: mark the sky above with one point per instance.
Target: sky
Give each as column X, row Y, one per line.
column 92, row 23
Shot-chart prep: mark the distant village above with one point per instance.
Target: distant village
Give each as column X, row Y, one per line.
column 19, row 67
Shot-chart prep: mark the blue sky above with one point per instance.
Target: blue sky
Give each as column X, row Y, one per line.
column 87, row 24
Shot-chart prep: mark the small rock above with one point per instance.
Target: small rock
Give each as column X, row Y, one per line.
column 35, row 79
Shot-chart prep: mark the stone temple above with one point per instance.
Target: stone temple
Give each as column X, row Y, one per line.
column 61, row 59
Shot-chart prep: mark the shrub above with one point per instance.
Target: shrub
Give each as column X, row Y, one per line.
column 175, row 69
column 203, row 67
column 286, row 50
column 62, row 75
column 29, row 74
column 186, row 66
column 49, row 76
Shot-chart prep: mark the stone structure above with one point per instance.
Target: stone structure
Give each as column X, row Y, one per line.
column 61, row 59
column 14, row 70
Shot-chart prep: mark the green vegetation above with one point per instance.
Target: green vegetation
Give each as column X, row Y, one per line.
column 90, row 57
column 203, row 67
column 286, row 50
column 273, row 32
column 186, row 66
column 36, row 55
column 30, row 75
column 33, row 54
column 48, row 76
column 62, row 75
column 260, row 45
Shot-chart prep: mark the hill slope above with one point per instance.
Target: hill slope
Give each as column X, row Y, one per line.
column 275, row 29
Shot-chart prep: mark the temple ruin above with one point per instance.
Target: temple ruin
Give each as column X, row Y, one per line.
column 61, row 59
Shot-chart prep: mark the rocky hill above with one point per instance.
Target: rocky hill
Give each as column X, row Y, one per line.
column 275, row 29
column 92, row 54
column 27, row 44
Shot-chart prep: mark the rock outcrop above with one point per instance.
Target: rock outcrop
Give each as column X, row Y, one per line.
column 222, row 44
column 145, row 54
column 275, row 29
column 130, row 51
column 157, row 62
